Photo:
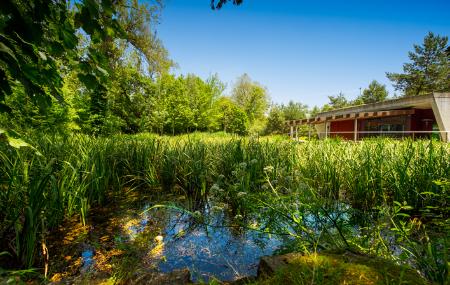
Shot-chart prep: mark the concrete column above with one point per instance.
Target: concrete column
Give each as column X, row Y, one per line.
column 296, row 133
column 355, row 131
column 291, row 133
column 441, row 110
column 321, row 129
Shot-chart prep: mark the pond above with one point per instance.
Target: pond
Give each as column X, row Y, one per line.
column 163, row 239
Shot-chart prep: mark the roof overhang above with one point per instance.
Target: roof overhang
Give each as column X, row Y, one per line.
column 351, row 116
column 388, row 108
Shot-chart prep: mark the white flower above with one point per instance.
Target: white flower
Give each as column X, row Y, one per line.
column 216, row 209
column 242, row 165
column 253, row 161
column 241, row 194
column 268, row 169
column 215, row 187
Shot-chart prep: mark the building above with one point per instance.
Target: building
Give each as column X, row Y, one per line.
column 421, row 116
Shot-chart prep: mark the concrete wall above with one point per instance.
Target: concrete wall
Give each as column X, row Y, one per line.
column 320, row 128
column 441, row 110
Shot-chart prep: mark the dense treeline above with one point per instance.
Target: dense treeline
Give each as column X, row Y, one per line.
column 107, row 72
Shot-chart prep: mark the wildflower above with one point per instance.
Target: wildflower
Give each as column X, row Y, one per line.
column 243, row 165
column 216, row 209
column 159, row 238
column 253, row 161
column 238, row 217
column 268, row 169
column 241, row 194
column 215, row 187
column 221, row 177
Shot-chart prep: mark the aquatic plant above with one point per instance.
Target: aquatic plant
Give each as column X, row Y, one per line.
column 287, row 182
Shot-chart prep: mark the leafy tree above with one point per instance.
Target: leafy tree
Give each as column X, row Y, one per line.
column 429, row 69
column 39, row 46
column 138, row 21
column 314, row 111
column 230, row 117
column 336, row 102
column 375, row 92
column 294, row 111
column 251, row 97
column 276, row 120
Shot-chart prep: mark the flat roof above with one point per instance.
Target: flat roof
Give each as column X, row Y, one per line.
column 392, row 107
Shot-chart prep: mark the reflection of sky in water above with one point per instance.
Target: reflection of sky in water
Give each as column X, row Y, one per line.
column 212, row 250
column 87, row 257
column 134, row 230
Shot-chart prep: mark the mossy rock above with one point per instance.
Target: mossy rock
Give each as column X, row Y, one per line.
column 334, row 268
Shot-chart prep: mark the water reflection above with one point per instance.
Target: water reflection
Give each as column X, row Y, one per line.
column 211, row 248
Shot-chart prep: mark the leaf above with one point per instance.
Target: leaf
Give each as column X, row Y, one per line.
column 42, row 55
column 7, row 50
column 17, row 143
column 103, row 71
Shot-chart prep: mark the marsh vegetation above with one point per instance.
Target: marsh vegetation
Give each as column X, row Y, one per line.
column 380, row 197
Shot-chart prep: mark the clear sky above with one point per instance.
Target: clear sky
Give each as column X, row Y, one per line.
column 301, row 50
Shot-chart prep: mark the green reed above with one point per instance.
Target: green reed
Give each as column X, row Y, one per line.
column 65, row 176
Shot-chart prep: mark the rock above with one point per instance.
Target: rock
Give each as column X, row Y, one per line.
column 176, row 277
column 269, row 264
column 242, row 281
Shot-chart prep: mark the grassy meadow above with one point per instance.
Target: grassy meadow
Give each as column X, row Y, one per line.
column 380, row 197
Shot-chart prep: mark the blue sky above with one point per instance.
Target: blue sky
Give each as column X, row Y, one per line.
column 300, row 50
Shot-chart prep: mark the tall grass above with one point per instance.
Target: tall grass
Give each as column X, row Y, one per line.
column 68, row 175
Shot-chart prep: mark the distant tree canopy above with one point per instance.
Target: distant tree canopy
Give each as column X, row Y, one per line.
column 429, row 69
column 251, row 97
column 375, row 92
column 336, row 102
column 97, row 67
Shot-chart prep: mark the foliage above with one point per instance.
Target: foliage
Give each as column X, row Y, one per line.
column 231, row 118
column 375, row 92
column 336, row 102
column 294, row 111
column 219, row 3
column 44, row 32
column 276, row 120
column 311, row 191
column 251, row 97
column 428, row 70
